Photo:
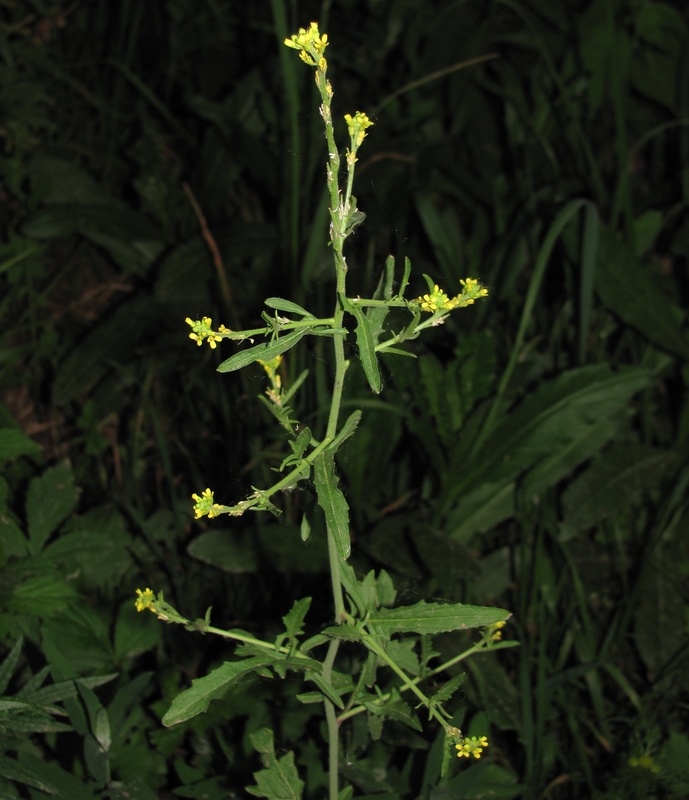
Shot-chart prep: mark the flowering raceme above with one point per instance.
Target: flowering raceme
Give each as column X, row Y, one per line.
column 471, row 746
column 202, row 331
column 437, row 299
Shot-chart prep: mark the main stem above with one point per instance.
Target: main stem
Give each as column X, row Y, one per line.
column 337, row 236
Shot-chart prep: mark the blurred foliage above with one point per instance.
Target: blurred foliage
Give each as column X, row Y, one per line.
column 533, row 456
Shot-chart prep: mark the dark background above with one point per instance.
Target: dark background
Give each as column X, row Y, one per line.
column 123, row 126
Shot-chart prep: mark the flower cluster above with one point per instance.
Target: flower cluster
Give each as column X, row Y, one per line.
column 471, row 746
column 205, row 505
column 145, row 600
column 271, row 368
column 646, row 762
column 357, row 125
column 494, row 632
column 202, row 331
column 311, row 45
column 437, row 300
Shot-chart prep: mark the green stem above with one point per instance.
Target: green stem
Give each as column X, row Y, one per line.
column 477, row 648
column 333, row 724
column 371, row 643
column 338, row 598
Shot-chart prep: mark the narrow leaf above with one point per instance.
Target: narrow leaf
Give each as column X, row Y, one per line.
column 14, row 771
column 345, row 432
column 367, row 350
column 434, row 618
column 405, row 277
column 196, row 699
column 333, row 502
column 326, row 688
column 8, row 665
column 264, row 351
column 280, row 304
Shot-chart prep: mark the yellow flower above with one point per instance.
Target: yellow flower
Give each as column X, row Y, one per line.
column 436, row 300
column 494, row 630
column 205, row 505
column 271, row 368
column 202, row 331
column 357, row 127
column 311, row 46
column 145, row 600
column 471, row 746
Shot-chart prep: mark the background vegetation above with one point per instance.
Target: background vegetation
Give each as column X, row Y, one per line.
column 166, row 160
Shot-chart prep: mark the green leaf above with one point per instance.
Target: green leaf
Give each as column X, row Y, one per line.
column 231, row 551
column 480, row 781
column 630, row 291
column 67, row 785
column 195, row 700
column 287, row 305
column 8, row 665
column 401, row 651
column 14, row 771
column 96, row 547
column 50, row 499
column 367, row 349
column 434, row 618
column 14, row 443
column 617, row 481
column 333, row 502
column 376, row 315
column 264, row 351
column 405, row 278
column 305, row 528
column 41, row 596
column 349, row 633
column 326, row 688
column 345, row 432
column 448, row 689
column 294, row 620
column 553, row 429
column 279, row 780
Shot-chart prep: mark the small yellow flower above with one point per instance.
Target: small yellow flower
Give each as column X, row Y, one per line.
column 494, row 630
column 471, row 746
column 271, row 367
column 205, row 505
column 311, row 46
column 202, row 331
column 436, row 300
column 357, row 125
column 645, row 762
column 145, row 600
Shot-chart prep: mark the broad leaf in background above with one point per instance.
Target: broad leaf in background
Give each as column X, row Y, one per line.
column 553, row 430
column 14, row 443
column 615, row 484
column 629, row 290
column 279, row 780
column 50, row 499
